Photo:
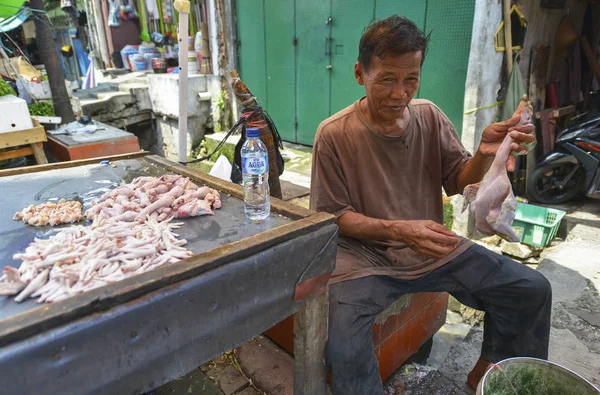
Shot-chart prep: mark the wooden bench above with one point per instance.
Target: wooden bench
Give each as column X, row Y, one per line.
column 24, row 142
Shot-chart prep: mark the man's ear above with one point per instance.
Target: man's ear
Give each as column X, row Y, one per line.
column 359, row 73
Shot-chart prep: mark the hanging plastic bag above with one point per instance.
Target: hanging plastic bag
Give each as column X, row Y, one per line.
column 113, row 14
column 221, row 169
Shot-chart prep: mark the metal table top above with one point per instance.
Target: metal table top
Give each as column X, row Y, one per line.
column 139, row 333
column 86, row 183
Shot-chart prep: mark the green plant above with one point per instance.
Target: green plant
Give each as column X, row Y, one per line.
column 217, row 109
column 6, row 89
column 527, row 381
column 448, row 215
column 42, row 109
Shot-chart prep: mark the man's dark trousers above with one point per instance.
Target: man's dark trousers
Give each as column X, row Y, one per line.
column 517, row 301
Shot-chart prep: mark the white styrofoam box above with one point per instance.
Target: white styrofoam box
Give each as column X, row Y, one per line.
column 14, row 114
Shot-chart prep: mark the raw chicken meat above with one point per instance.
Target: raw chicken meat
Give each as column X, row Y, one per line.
column 160, row 198
column 80, row 258
column 131, row 233
column 492, row 201
column 63, row 212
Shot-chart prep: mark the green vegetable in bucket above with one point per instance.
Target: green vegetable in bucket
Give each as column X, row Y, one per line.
column 526, row 381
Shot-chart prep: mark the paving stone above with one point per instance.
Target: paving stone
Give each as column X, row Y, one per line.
column 230, row 380
column 193, row 383
column 270, row 369
column 248, row 391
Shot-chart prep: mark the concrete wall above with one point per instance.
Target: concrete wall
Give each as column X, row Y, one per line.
column 164, row 94
column 483, row 75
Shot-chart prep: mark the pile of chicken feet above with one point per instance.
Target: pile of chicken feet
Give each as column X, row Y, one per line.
column 131, row 233
column 80, row 258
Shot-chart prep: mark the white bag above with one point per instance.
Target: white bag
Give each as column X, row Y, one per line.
column 221, row 169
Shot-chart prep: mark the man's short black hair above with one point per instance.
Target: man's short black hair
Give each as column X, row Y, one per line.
column 396, row 35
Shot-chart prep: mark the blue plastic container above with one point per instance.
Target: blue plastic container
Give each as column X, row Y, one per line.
column 126, row 53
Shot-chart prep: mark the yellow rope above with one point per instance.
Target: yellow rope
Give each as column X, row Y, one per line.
column 484, row 107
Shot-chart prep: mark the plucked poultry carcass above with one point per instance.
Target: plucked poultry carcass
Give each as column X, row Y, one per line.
column 492, row 201
column 160, row 198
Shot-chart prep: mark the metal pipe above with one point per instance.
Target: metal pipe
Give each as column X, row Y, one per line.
column 214, row 41
column 183, row 7
column 508, row 37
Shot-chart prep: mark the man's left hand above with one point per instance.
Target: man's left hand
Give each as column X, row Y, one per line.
column 494, row 134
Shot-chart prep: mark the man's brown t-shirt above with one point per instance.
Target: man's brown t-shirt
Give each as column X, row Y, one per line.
column 356, row 168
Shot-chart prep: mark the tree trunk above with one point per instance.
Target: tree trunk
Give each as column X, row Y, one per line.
column 49, row 57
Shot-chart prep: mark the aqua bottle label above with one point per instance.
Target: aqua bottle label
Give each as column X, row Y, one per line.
column 256, row 165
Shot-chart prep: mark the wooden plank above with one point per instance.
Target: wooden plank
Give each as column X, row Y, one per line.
column 293, row 191
column 557, row 112
column 284, row 208
column 310, row 340
column 64, row 165
column 22, row 137
column 50, row 120
column 49, row 316
column 38, row 152
column 16, row 153
column 538, row 75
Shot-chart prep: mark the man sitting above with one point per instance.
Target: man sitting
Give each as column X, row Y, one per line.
column 379, row 166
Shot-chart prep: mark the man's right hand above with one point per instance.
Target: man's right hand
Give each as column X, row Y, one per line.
column 426, row 237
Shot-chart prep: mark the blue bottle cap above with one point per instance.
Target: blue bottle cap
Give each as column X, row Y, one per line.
column 105, row 162
column 252, row 132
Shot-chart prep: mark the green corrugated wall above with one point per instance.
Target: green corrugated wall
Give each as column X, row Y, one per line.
column 300, row 65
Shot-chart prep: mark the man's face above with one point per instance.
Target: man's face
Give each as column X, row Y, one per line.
column 390, row 84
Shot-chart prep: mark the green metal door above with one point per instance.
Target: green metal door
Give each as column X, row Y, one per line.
column 251, row 47
column 313, row 32
column 349, row 19
column 445, row 69
column 267, row 59
column 281, row 68
column 286, row 48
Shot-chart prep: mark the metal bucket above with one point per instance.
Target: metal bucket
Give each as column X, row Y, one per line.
column 577, row 384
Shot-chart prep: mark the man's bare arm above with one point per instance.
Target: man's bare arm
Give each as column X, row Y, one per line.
column 426, row 237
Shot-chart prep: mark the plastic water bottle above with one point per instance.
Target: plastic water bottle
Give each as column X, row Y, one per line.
column 255, row 173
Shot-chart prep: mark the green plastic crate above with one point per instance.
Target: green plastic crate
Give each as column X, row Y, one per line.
column 536, row 225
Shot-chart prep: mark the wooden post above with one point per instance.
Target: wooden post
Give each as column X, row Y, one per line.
column 508, row 37
column 247, row 100
column 38, row 153
column 101, row 33
column 310, row 340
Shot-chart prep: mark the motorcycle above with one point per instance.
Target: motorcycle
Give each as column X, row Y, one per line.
column 572, row 168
